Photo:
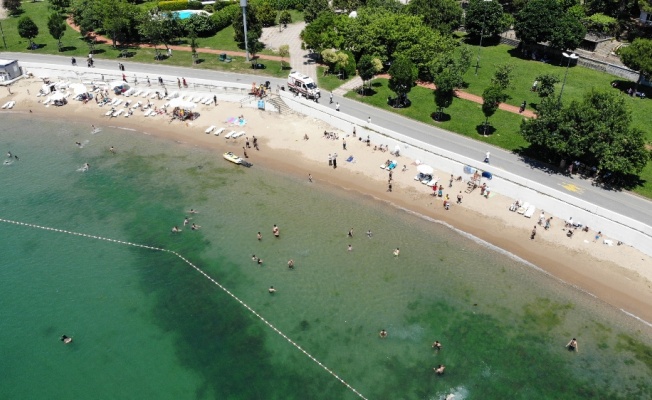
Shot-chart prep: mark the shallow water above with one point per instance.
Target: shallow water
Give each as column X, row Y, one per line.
column 146, row 323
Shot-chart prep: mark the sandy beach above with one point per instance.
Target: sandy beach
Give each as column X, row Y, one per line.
column 618, row 275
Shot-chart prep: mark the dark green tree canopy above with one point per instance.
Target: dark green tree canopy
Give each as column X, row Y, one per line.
column 503, row 76
column 254, row 29
column 546, row 86
column 314, row 8
column 487, row 13
column 448, row 74
column 596, row 131
column 403, row 74
column 13, row 6
column 27, row 29
column 325, row 32
column 56, row 27
column 491, row 99
column 366, row 67
column 441, row 15
column 567, row 34
column 638, row 56
column 535, row 22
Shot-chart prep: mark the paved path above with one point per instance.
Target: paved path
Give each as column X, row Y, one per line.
column 623, row 203
column 184, row 48
column 299, row 59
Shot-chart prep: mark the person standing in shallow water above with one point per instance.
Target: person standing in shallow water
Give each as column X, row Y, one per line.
column 276, row 231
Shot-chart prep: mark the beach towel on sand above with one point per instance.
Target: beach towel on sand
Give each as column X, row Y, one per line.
column 350, row 159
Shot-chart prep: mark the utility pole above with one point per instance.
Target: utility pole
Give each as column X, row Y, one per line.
column 243, row 4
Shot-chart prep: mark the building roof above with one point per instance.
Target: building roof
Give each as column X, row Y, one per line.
column 6, row 62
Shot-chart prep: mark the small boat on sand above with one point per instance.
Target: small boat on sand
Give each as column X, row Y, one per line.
column 229, row 156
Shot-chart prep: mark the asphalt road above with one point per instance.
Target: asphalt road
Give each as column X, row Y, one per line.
column 623, row 203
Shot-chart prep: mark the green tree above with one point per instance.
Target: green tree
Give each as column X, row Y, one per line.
column 491, row 99
column 567, row 34
column 254, row 30
column 159, row 28
column 638, row 56
column 59, row 6
column 346, row 5
column 87, row 14
column 502, row 76
column 27, row 29
column 535, row 22
column 444, row 16
column 325, row 32
column 193, row 46
column 368, row 68
column 266, row 14
column 57, row 27
column 487, row 14
column 448, row 74
column 285, row 18
column 403, row 74
column 546, row 86
column 596, row 131
column 13, row 6
column 314, row 8
column 284, row 52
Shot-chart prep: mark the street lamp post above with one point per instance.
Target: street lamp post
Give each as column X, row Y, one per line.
column 243, row 4
column 484, row 19
column 570, row 57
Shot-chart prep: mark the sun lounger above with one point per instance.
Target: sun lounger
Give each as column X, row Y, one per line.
column 217, row 132
column 522, row 209
column 135, row 106
column 146, row 93
column 529, row 212
column 207, row 101
column 209, row 129
column 106, row 114
column 118, row 113
column 433, row 181
column 153, row 96
column 117, row 103
column 228, row 135
column 197, row 100
column 138, row 93
column 6, row 105
column 237, row 135
column 11, row 105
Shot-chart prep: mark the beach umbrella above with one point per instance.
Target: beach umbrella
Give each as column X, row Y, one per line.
column 57, row 96
column 79, row 88
column 487, row 174
column 425, row 169
column 178, row 102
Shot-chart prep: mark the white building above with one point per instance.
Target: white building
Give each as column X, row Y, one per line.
column 9, row 70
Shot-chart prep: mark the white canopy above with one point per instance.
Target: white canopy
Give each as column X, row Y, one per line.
column 425, row 169
column 116, row 84
column 45, row 88
column 79, row 88
column 178, row 102
column 57, row 96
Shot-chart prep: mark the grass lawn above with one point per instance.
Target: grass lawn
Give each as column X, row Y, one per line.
column 463, row 117
column 74, row 45
column 328, row 82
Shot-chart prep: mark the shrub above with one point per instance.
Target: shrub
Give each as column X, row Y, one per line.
column 208, row 8
column 203, row 25
column 174, row 5
column 220, row 5
column 224, row 17
column 195, row 5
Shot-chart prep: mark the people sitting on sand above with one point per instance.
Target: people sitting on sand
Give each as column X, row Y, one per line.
column 382, row 334
column 572, row 345
column 66, row 339
column 440, row 369
column 436, row 345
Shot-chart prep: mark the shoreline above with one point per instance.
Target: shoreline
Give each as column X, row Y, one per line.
column 618, row 275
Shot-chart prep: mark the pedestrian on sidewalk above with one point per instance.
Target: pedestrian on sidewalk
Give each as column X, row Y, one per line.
column 148, row 82
column 179, row 83
column 185, row 84
column 160, row 81
column 522, row 108
column 534, row 232
column 337, row 106
column 343, row 144
column 369, row 120
column 486, row 157
column 331, row 98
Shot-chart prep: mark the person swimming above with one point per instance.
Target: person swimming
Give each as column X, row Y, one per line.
column 78, row 144
column 66, row 339
column 253, row 257
column 382, row 333
column 175, row 229
column 276, row 231
column 259, row 236
column 436, row 345
column 259, row 261
column 271, row 290
column 193, row 211
column 186, row 220
column 369, row 234
column 397, row 252
column 350, row 232
column 440, row 369
column 572, row 345
column 86, row 167
column 195, row 227
column 291, row 264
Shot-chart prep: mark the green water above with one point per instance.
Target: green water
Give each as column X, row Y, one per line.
column 147, row 325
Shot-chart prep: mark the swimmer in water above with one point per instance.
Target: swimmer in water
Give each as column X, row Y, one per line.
column 253, row 257
column 369, row 234
column 271, row 290
column 93, row 129
column 9, row 154
column 382, row 334
column 186, row 221
column 78, row 144
column 350, row 247
column 86, row 166
column 66, row 339
column 436, row 345
column 175, row 229
column 259, row 236
column 276, row 231
column 397, row 252
column 112, row 150
column 350, row 232
column 193, row 211
column 195, row 227
column 291, row 264
column 572, row 345
column 259, row 261
column 440, row 369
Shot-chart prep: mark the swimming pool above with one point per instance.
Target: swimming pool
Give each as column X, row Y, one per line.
column 185, row 14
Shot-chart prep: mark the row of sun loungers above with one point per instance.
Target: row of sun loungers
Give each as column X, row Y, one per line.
column 231, row 135
column 9, row 105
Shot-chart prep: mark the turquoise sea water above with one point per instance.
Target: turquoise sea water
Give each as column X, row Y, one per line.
column 147, row 325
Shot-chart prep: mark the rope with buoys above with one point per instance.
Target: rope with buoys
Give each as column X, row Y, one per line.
column 245, row 305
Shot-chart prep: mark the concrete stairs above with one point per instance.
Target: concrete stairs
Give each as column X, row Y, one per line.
column 280, row 105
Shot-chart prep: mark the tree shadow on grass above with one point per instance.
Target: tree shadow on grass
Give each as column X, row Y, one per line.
column 366, row 92
column 199, row 61
column 440, row 117
column 480, row 129
column 377, row 84
column 68, row 48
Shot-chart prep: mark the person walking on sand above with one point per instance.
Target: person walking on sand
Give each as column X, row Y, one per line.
column 389, row 187
column 276, row 231
column 534, row 232
column 309, row 178
column 450, row 182
column 459, row 197
column 343, row 144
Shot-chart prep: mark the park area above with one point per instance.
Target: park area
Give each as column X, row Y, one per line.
column 466, row 117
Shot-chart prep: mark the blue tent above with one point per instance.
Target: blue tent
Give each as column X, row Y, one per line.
column 487, row 175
